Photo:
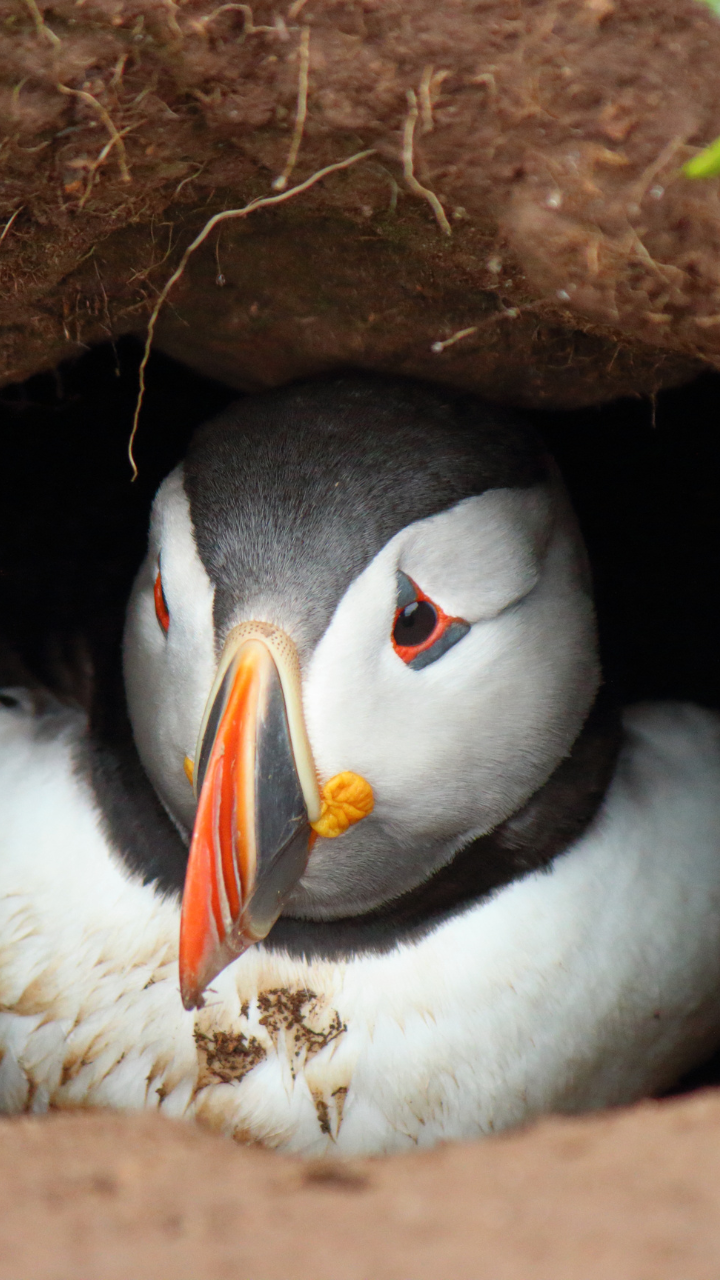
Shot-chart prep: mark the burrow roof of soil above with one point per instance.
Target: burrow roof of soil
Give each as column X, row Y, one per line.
column 525, row 188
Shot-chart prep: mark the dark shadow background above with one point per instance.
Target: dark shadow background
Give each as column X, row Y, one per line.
column 645, row 482
column 72, row 526
column 644, row 478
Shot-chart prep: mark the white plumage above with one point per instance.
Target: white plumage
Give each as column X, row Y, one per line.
column 590, row 982
column 587, row 985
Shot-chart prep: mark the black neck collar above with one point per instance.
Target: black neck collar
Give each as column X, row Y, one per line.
column 548, row 824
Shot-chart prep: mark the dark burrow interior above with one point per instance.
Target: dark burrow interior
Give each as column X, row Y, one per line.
column 644, row 478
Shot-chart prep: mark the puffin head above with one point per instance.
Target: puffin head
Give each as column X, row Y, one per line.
column 362, row 637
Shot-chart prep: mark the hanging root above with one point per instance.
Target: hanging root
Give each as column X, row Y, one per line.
column 9, row 222
column 92, row 173
column 437, row 347
column 280, row 182
column 41, row 26
column 430, row 79
column 226, row 215
column 115, row 136
column 409, row 165
column 249, row 28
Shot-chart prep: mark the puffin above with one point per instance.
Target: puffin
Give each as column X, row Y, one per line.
column 355, row 852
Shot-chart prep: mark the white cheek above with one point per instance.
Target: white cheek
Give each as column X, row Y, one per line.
column 430, row 741
column 168, row 677
column 344, row 685
column 482, row 554
column 463, row 742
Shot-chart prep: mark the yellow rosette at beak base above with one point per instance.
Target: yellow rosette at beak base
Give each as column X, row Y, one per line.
column 346, row 799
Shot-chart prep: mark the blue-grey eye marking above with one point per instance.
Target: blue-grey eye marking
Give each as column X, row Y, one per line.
column 415, row 621
column 449, row 637
column 405, row 591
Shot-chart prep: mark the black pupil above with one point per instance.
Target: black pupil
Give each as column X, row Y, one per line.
column 415, row 624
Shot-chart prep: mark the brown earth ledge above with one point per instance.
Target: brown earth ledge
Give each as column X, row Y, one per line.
column 629, row 1195
column 552, row 133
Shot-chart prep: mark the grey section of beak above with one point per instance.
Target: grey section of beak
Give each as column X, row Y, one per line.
column 211, row 728
column 282, row 828
column 251, row 835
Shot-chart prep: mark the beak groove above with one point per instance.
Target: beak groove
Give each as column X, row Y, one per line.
column 257, row 793
column 259, row 808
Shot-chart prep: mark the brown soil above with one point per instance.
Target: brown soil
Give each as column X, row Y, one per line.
column 552, row 133
column 633, row 1195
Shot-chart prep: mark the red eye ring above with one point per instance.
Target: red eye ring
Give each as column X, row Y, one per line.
column 162, row 612
column 409, row 652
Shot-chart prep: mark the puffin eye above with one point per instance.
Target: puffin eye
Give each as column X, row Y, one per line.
column 162, row 612
column 422, row 632
column 414, row 624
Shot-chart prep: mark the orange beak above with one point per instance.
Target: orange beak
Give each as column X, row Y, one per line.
column 257, row 794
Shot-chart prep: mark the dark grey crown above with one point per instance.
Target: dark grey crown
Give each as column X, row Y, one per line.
column 293, row 492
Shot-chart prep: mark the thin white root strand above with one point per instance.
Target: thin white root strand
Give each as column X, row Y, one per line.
column 281, row 181
column 10, row 221
column 41, row 26
column 262, row 202
column 409, row 165
column 107, row 121
column 437, row 347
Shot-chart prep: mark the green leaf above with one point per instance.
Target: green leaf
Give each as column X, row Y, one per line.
column 706, row 164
